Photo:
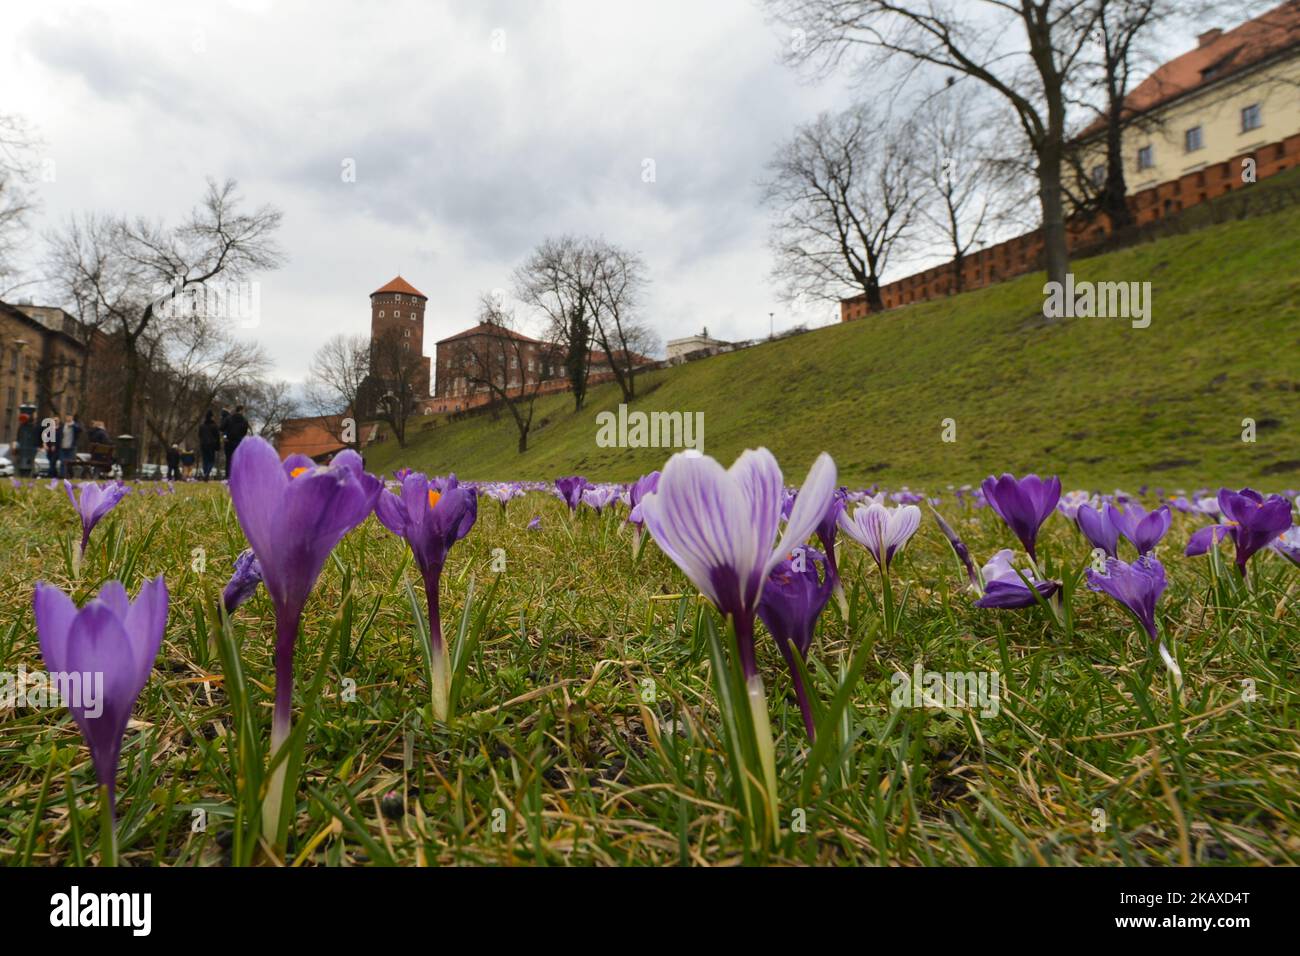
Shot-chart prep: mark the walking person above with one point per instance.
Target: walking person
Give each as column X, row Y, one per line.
column 173, row 462
column 66, row 441
column 209, row 443
column 235, row 430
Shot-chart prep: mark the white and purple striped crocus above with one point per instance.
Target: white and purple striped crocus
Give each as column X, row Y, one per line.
column 94, row 503
column 112, row 641
column 722, row 527
column 1004, row 588
column 883, row 530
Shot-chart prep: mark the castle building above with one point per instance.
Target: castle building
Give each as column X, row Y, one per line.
column 397, row 309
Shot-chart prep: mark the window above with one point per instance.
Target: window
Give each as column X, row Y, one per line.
column 1146, row 157
column 397, row 313
column 1251, row 118
column 1193, row 139
column 381, row 313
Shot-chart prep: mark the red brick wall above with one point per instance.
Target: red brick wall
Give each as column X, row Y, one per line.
column 1022, row 254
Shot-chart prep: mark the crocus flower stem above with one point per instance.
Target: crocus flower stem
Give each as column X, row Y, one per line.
column 107, row 830
column 286, row 636
column 763, row 742
column 439, row 665
column 801, row 694
column 887, row 603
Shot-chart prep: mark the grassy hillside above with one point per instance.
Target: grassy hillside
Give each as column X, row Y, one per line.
column 1095, row 400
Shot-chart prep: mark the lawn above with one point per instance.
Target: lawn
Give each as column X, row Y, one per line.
column 1094, row 400
column 588, row 728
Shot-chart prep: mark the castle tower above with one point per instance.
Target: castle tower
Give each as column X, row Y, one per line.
column 397, row 308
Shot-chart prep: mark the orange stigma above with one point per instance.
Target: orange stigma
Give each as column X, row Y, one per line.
column 298, row 471
column 434, row 498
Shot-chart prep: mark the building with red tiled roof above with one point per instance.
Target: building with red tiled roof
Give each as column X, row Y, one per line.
column 1215, row 119
column 397, row 309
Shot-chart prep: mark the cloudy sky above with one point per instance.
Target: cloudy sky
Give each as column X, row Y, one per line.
column 475, row 130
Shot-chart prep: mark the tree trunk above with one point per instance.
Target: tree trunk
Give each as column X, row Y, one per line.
column 874, row 301
column 523, row 440
column 958, row 280
column 131, row 367
column 1055, row 253
column 1114, row 200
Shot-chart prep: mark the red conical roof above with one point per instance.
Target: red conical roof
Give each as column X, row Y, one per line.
column 398, row 284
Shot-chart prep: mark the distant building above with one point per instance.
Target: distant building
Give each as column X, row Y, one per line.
column 42, row 358
column 522, row 364
column 397, row 308
column 678, row 348
column 320, row 437
column 1195, row 125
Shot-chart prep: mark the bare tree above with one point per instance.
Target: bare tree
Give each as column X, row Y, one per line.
column 335, row 378
column 499, row 363
column 964, row 196
column 845, row 197
column 192, row 361
column 1031, row 75
column 131, row 270
column 558, row 280
column 619, row 285
column 17, row 168
column 269, row 404
column 390, row 391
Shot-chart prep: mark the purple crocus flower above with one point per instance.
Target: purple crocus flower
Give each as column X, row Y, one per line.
column 643, row 486
column 720, row 527
column 293, row 514
column 535, row 524
column 431, row 520
column 570, row 490
column 1252, row 523
column 243, row 583
column 1137, row 587
column 1098, row 526
column 825, row 532
column 793, row 598
column 1143, row 529
column 1023, row 504
column 959, row 549
column 1288, row 545
column 111, row 644
column 882, row 530
column 96, row 501
column 1003, row 587
column 599, row 497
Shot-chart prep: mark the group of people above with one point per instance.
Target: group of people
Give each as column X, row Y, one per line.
column 231, row 429
column 62, row 437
